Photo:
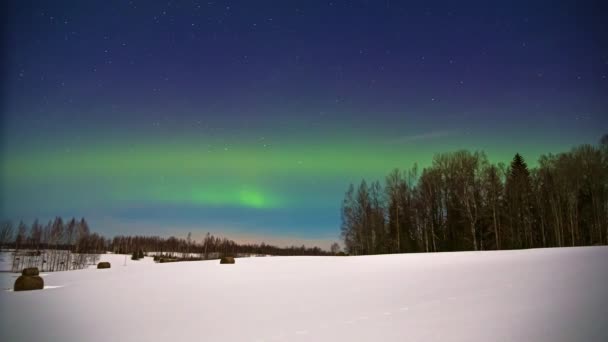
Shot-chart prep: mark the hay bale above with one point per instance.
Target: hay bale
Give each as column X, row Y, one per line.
column 28, row 283
column 30, row 271
column 103, row 264
column 227, row 260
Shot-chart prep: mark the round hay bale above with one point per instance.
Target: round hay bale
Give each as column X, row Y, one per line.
column 227, row 260
column 103, row 264
column 28, row 283
column 30, row 271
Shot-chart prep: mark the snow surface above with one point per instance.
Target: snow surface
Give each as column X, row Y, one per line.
column 529, row 295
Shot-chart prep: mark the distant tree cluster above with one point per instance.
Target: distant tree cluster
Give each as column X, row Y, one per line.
column 210, row 245
column 73, row 235
column 57, row 246
column 463, row 202
column 138, row 254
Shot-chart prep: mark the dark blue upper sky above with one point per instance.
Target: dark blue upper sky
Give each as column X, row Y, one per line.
column 294, row 75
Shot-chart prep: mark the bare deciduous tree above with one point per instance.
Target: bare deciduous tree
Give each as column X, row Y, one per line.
column 335, row 248
column 6, row 233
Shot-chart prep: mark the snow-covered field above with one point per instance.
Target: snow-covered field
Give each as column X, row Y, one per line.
column 530, row 295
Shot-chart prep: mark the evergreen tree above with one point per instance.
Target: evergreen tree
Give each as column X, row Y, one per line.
column 518, row 196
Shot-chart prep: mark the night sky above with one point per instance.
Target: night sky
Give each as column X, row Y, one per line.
column 249, row 119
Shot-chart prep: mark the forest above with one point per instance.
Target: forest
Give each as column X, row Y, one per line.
column 464, row 202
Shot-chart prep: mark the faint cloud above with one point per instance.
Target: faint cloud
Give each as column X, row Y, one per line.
column 110, row 226
column 421, row 137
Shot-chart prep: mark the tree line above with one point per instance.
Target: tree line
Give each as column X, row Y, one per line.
column 209, row 245
column 464, row 202
column 75, row 236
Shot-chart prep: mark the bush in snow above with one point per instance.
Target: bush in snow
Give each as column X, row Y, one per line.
column 28, row 283
column 163, row 260
column 30, row 271
column 227, row 260
column 103, row 264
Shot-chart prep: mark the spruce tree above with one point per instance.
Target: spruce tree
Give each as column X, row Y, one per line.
column 518, row 193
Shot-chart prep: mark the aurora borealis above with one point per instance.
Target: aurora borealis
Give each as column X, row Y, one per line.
column 249, row 119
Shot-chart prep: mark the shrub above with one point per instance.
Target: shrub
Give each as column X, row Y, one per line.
column 30, row 271
column 28, row 283
column 137, row 254
column 103, row 264
column 227, row 260
column 164, row 260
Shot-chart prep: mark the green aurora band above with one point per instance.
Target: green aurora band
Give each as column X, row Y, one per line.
column 247, row 175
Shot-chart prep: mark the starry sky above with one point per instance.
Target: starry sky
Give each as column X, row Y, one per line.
column 249, row 119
